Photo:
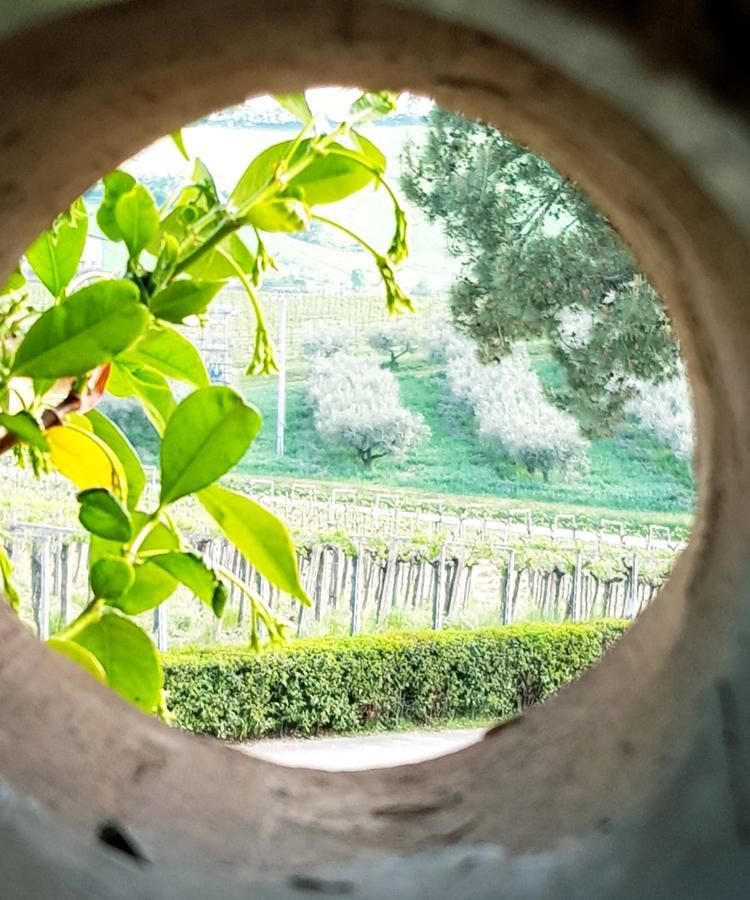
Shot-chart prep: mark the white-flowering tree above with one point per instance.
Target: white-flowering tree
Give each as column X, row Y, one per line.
column 514, row 415
column 395, row 337
column 326, row 337
column 665, row 412
column 356, row 405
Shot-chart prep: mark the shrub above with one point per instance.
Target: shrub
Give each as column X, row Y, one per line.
column 357, row 405
column 383, row 681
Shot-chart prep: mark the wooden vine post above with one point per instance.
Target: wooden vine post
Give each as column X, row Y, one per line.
column 438, row 603
column 356, row 602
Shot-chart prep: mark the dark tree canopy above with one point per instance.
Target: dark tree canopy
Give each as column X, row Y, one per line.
column 539, row 263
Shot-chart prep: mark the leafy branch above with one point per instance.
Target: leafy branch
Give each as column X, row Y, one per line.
column 118, row 335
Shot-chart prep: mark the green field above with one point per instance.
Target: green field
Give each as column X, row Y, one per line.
column 626, row 473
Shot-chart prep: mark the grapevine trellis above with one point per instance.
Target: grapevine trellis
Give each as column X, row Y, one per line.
column 365, row 580
column 313, row 508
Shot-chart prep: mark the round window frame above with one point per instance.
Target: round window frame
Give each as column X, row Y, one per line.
column 88, row 90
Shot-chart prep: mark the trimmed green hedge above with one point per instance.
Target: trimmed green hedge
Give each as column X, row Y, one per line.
column 382, row 681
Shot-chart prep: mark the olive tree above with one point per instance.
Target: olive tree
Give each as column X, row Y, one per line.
column 515, row 417
column 356, row 405
column 119, row 335
column 395, row 338
column 665, row 412
column 326, row 337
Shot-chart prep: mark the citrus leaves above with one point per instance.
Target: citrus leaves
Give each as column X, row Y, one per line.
column 86, row 460
column 128, row 658
column 111, row 577
column 261, row 538
column 25, row 427
column 192, row 570
column 207, row 434
column 119, row 336
column 151, row 584
column 103, row 515
column 136, row 218
column 86, row 330
column 110, row 434
column 166, row 350
column 55, row 255
column 326, row 179
column 184, row 298
column 297, row 105
column 79, row 656
column 6, row 582
column 373, row 105
column 116, row 184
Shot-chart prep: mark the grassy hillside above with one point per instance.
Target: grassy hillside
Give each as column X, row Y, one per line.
column 629, row 472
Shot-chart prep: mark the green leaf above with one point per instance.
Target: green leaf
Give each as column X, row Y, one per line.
column 331, row 178
column 214, row 265
column 111, row 577
column 328, row 178
column 137, row 219
column 297, row 105
column 187, row 297
column 149, row 386
column 282, row 214
column 152, row 585
column 166, row 350
column 56, row 254
column 102, row 514
column 116, row 184
column 26, row 428
column 179, row 142
column 373, row 105
column 261, row 538
column 374, row 155
column 6, row 571
column 207, row 434
column 128, row 657
column 86, row 330
column 80, row 656
column 110, row 434
column 16, row 282
column 192, row 570
column 167, row 253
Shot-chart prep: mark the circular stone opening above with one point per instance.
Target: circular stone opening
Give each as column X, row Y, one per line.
column 594, row 758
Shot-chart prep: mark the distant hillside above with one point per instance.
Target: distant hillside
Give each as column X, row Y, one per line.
column 265, row 112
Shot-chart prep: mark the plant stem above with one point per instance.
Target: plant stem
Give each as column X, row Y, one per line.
column 355, row 237
column 91, row 613
column 148, row 527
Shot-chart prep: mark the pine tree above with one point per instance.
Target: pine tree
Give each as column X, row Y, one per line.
column 536, row 255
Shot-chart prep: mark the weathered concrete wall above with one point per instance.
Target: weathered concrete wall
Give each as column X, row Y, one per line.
column 602, row 792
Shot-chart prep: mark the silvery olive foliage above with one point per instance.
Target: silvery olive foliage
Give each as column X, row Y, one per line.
column 394, row 338
column 119, row 335
column 665, row 412
column 324, row 338
column 356, row 405
column 515, row 417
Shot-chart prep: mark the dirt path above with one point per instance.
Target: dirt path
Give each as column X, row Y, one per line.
column 368, row 751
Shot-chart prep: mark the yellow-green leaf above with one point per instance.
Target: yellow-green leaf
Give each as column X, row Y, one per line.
column 261, row 538
column 86, row 460
column 128, row 657
column 80, row 656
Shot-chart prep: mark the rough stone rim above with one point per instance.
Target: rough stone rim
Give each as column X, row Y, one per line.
column 679, row 661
